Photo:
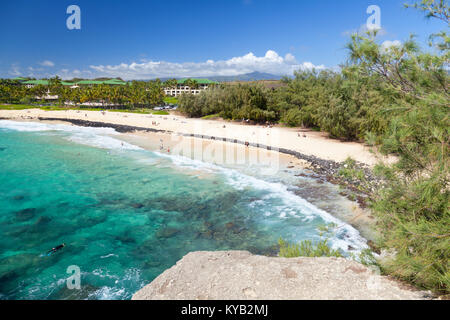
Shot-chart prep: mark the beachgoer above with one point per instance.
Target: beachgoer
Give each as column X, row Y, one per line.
column 57, row 248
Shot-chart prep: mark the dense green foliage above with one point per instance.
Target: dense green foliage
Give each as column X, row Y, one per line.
column 395, row 97
column 136, row 95
column 231, row 102
column 333, row 102
column 306, row 249
column 413, row 208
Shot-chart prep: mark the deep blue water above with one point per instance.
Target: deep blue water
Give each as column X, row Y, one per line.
column 127, row 214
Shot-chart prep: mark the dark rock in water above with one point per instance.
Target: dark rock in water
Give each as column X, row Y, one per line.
column 42, row 221
column 18, row 264
column 26, row 214
column 84, row 293
column 302, row 175
column 92, row 221
column 220, row 236
column 207, row 224
column 63, row 204
column 8, row 276
column 152, row 264
column 125, row 239
column 229, row 225
column 7, row 280
column 166, row 232
column 19, row 197
column 137, row 205
column 207, row 234
column 2, row 148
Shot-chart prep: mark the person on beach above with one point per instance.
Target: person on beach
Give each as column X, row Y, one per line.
column 57, row 248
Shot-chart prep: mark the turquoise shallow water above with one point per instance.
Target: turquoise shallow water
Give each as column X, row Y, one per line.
column 127, row 214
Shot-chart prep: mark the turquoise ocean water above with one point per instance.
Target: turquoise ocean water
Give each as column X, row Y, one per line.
column 127, row 214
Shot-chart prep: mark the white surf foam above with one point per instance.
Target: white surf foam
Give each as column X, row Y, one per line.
column 292, row 204
column 24, row 126
column 94, row 137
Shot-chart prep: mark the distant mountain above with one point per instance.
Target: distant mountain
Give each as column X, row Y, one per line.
column 254, row 76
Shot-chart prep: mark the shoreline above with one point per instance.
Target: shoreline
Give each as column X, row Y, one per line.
column 312, row 167
column 308, row 144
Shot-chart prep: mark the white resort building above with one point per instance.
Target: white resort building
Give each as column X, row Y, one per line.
column 182, row 87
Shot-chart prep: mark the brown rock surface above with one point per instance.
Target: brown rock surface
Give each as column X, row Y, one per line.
column 239, row 275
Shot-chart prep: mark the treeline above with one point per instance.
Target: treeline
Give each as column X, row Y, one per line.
column 340, row 104
column 396, row 97
column 135, row 95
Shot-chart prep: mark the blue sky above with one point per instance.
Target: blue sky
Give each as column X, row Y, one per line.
column 144, row 39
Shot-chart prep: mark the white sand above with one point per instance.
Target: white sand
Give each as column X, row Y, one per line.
column 218, row 152
column 308, row 143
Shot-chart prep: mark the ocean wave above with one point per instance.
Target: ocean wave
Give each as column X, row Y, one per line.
column 123, row 287
column 24, row 126
column 95, row 137
column 291, row 204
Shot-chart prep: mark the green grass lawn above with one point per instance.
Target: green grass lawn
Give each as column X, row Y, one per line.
column 171, row 100
column 211, row 117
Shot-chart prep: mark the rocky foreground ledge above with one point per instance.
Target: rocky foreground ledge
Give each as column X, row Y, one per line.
column 239, row 275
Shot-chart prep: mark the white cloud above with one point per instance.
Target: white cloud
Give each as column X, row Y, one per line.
column 388, row 44
column 47, row 63
column 363, row 29
column 15, row 70
column 271, row 62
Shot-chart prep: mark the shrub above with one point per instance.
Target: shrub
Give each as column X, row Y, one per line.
column 306, row 249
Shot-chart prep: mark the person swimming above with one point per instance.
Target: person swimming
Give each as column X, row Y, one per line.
column 57, row 248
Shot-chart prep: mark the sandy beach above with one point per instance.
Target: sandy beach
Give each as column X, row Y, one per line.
column 171, row 138
column 306, row 142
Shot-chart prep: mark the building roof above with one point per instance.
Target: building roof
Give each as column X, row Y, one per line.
column 89, row 82
column 36, row 82
column 19, row 79
column 46, row 82
column 98, row 82
column 199, row 81
column 115, row 82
